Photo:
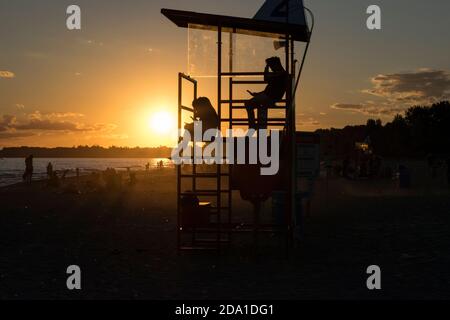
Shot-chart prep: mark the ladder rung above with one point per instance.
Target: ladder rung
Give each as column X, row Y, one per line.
column 204, row 175
column 212, row 229
column 238, row 74
column 185, row 248
column 216, row 191
column 248, row 82
column 211, row 241
column 224, row 101
column 246, row 120
column 274, row 107
column 270, row 124
column 204, row 193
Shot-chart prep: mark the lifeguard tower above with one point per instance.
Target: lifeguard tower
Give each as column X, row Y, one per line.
column 209, row 223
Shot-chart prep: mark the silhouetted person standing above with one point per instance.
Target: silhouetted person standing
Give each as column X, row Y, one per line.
column 28, row 169
column 275, row 90
column 49, row 170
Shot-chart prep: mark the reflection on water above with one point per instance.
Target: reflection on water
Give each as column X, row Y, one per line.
column 11, row 170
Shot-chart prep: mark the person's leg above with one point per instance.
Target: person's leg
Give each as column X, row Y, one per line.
column 250, row 106
column 262, row 117
column 264, row 103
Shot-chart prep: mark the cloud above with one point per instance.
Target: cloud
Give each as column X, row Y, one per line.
column 52, row 122
column 92, row 42
column 7, row 74
column 15, row 135
column 347, row 106
column 103, row 127
column 108, row 136
column 308, row 122
column 36, row 55
column 6, row 121
column 48, row 125
column 399, row 91
column 370, row 108
column 54, row 115
column 421, row 87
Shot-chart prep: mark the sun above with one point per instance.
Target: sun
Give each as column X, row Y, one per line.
column 162, row 123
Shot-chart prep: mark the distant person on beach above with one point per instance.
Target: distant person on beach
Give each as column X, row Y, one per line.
column 49, row 170
column 204, row 112
column 28, row 174
column 277, row 81
column 147, row 166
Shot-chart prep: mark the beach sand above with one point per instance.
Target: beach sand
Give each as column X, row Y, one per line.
column 125, row 244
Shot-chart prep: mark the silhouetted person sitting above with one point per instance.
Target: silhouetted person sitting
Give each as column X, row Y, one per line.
column 28, row 174
column 275, row 90
column 204, row 112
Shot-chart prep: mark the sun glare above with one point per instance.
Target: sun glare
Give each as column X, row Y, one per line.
column 162, row 123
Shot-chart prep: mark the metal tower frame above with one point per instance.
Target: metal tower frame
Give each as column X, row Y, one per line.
column 220, row 229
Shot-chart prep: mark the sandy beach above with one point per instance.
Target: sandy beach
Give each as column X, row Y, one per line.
column 125, row 243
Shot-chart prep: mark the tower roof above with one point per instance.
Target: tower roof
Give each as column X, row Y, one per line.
column 256, row 27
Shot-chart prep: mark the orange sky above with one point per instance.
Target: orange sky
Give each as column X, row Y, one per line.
column 105, row 83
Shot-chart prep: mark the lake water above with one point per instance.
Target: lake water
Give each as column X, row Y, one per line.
column 12, row 169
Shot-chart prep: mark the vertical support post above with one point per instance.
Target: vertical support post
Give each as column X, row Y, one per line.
column 290, row 195
column 293, row 181
column 194, row 166
column 194, row 171
column 230, row 113
column 290, row 124
column 180, row 88
column 219, row 166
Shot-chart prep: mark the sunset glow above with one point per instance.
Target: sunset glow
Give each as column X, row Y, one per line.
column 162, row 123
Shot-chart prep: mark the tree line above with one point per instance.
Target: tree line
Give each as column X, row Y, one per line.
column 421, row 131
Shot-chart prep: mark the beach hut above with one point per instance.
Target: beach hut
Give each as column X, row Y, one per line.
column 284, row 22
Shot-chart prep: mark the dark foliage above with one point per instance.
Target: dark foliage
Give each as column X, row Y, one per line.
column 421, row 131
